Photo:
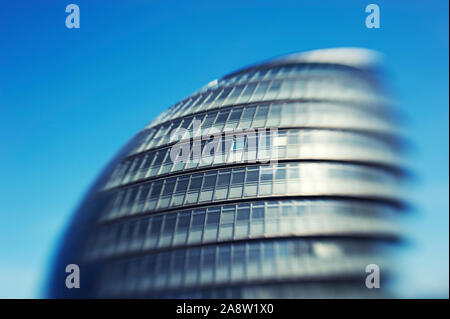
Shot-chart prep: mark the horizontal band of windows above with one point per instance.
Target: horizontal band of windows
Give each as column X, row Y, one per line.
column 248, row 148
column 270, row 71
column 145, row 143
column 243, row 221
column 300, row 113
column 284, row 288
column 400, row 205
column 295, row 179
column 243, row 261
column 277, row 90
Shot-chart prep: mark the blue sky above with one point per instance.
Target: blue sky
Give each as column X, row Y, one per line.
column 70, row 98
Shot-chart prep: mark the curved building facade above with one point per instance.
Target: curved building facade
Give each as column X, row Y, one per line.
column 279, row 180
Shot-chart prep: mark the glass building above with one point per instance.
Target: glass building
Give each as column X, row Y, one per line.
column 279, row 180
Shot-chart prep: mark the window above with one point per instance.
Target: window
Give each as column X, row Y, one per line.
column 238, row 269
column 176, row 275
column 224, row 178
column 234, row 119
column 274, row 115
column 235, row 94
column 155, row 230
column 221, row 118
column 167, row 193
column 223, row 96
column 227, row 222
column 272, row 220
column 238, row 176
column 242, row 220
column 252, row 175
column 273, row 90
column 141, row 231
column 235, row 114
column 212, row 223
column 196, row 181
column 182, row 184
column 247, row 117
column 180, row 190
column 156, row 189
column 257, row 225
column 208, row 264
column 254, row 260
column 184, row 219
column 269, row 265
column 247, row 93
column 265, row 187
column 251, row 181
column 196, row 230
column 280, row 173
column 193, row 266
column 210, row 180
column 168, row 230
column 223, row 263
column 236, row 183
column 221, row 191
column 163, row 269
column 260, row 91
column 261, row 116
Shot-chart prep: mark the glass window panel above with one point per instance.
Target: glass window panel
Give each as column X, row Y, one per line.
column 223, row 263
column 238, row 269
column 252, row 175
column 261, row 116
column 228, row 214
column 208, row 264
column 280, row 173
column 156, row 189
column 209, row 180
column 273, row 90
column 274, row 115
column 235, row 94
column 269, row 266
column 266, row 173
column 243, row 213
column 247, row 117
column 206, row 195
column 254, row 260
column 235, row 114
column 169, row 186
column 257, row 225
column 220, row 193
column 196, row 230
column 144, row 192
column 224, row 178
column 139, row 233
column 212, row 223
column 155, row 230
column 193, row 266
column 182, row 184
column 238, row 176
column 260, row 91
column 222, row 117
column 168, row 229
column 184, row 219
column 176, row 275
column 196, row 181
column 245, row 96
column 251, row 190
